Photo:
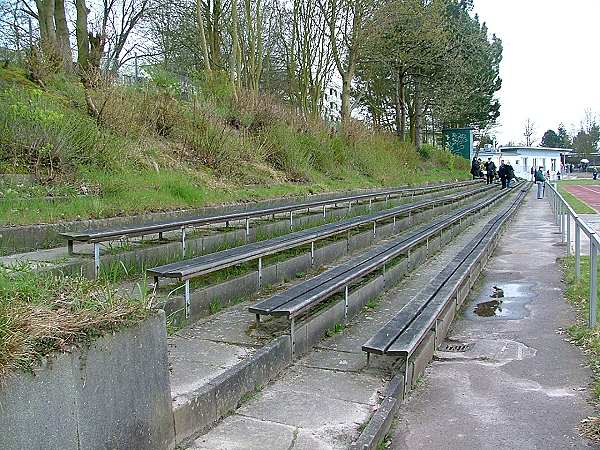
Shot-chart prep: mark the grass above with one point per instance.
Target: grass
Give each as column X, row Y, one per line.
column 579, row 206
column 211, row 149
column 577, row 294
column 44, row 313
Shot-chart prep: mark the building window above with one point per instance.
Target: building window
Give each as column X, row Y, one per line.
column 553, row 165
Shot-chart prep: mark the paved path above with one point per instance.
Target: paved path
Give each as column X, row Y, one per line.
column 521, row 384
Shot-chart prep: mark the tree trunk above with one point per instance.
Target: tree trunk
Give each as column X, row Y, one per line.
column 418, row 112
column 346, row 84
column 203, row 44
column 62, row 35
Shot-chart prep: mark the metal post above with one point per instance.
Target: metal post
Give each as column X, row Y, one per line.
column 394, row 226
column 259, row 273
column 577, row 251
column 370, row 203
column 70, row 246
column 292, row 332
column 349, row 207
column 291, row 220
column 183, row 241
column 346, row 303
column 387, row 199
column 257, row 318
column 247, row 229
column 160, row 236
column 374, row 228
column 593, row 281
column 324, row 211
column 96, row 259
column 568, row 216
column 186, row 296
column 312, row 253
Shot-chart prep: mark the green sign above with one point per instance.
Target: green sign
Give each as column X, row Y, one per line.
column 459, row 141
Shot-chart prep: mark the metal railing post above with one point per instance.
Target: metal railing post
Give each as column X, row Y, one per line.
column 593, row 281
column 577, row 251
column 568, row 216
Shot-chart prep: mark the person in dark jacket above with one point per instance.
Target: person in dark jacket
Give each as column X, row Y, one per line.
column 532, row 173
column 490, row 170
column 510, row 173
column 475, row 168
column 540, row 180
column 502, row 173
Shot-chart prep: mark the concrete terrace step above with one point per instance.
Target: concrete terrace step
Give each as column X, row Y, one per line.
column 223, row 360
column 323, row 399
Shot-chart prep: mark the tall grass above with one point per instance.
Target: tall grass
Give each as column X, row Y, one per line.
column 156, row 147
column 42, row 313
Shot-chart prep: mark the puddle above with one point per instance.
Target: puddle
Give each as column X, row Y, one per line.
column 489, row 309
column 508, row 302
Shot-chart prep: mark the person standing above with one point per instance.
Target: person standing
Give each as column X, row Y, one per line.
column 490, row 170
column 502, row 174
column 475, row 168
column 540, row 180
column 532, row 173
column 510, row 174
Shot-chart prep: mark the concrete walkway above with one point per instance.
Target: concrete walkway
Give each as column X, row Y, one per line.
column 520, row 385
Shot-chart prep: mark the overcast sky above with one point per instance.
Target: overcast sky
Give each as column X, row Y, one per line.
column 551, row 62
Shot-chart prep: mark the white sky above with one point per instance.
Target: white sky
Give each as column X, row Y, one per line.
column 551, row 62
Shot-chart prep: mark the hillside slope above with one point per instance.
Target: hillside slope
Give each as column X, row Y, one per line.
column 157, row 146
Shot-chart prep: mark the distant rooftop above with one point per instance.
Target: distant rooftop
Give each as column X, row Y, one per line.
column 545, row 149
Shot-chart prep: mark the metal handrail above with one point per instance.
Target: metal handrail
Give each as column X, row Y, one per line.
column 563, row 215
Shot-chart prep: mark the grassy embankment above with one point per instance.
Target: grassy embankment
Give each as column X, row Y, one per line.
column 157, row 148
column 578, row 294
column 153, row 149
column 579, row 206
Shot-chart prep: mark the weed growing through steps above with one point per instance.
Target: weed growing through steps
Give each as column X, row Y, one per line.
column 215, row 306
column 337, row 329
column 44, row 313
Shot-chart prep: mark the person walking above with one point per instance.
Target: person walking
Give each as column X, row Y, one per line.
column 490, row 170
column 540, row 180
column 532, row 173
column 475, row 168
column 502, row 174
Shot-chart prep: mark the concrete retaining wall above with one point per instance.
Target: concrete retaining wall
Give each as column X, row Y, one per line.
column 114, row 394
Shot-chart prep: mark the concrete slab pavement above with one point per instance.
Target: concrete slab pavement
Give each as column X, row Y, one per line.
column 520, row 385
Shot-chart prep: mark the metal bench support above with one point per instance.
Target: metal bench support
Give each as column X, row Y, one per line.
column 259, row 273
column 312, row 253
column 247, row 230
column 346, row 303
column 291, row 220
column 186, row 296
column 96, row 259
column 183, row 243
column 70, row 246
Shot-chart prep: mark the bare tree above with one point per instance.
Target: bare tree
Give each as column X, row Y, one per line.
column 529, row 132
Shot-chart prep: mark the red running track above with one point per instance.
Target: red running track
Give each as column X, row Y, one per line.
column 590, row 194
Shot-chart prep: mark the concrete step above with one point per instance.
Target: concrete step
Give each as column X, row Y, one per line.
column 324, row 399
column 332, row 378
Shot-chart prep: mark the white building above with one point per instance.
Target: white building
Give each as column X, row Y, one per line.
column 332, row 102
column 524, row 158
